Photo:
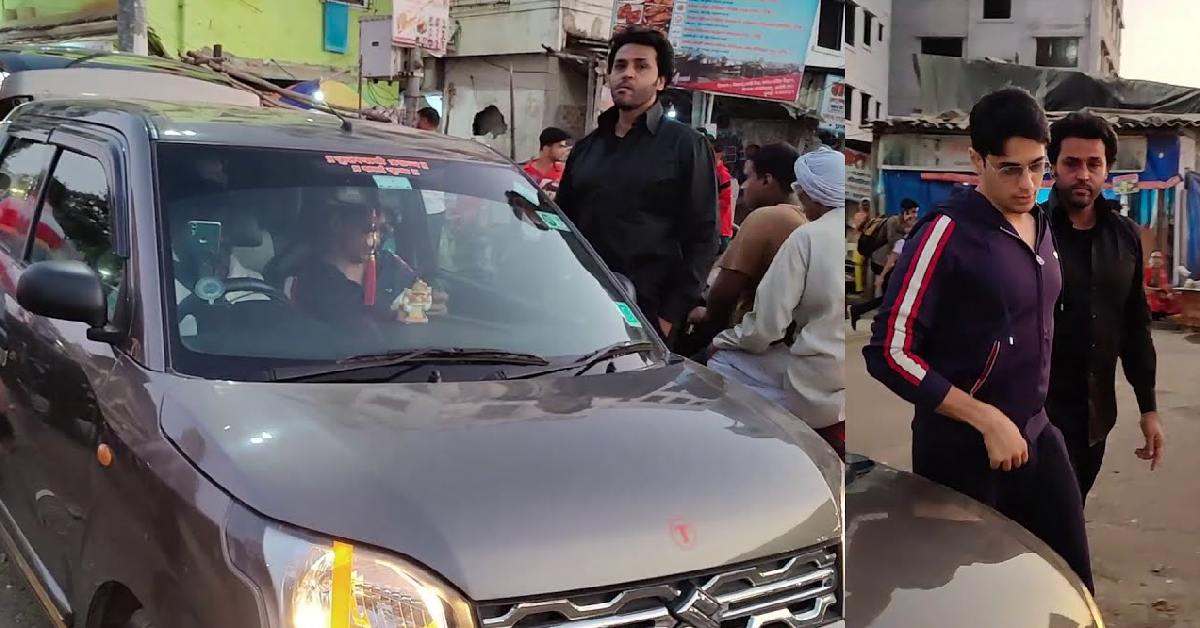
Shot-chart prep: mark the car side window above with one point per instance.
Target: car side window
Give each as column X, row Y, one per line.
column 76, row 221
column 22, row 174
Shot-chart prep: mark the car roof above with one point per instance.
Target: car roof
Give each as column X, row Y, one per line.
column 104, row 82
column 267, row 127
column 25, row 58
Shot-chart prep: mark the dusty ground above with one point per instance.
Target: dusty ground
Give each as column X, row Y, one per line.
column 18, row 606
column 1144, row 527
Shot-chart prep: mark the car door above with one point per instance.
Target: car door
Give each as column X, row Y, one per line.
column 24, row 170
column 55, row 421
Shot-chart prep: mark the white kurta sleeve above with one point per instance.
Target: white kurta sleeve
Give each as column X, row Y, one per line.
column 775, row 301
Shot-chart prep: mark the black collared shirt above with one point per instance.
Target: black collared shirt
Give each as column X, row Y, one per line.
column 647, row 202
column 1073, row 331
column 1119, row 325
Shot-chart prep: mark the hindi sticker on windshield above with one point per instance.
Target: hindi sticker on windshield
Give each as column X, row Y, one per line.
column 376, row 164
column 553, row 221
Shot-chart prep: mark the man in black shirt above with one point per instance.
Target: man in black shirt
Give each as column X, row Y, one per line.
column 642, row 188
column 1103, row 313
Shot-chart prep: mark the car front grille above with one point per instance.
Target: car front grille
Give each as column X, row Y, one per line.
column 796, row 591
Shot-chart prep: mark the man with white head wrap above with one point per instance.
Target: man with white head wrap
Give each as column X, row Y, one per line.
column 791, row 348
column 775, row 213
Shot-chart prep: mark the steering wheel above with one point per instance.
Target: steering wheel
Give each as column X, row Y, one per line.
column 194, row 303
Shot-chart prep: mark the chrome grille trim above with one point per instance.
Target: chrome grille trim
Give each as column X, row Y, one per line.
column 576, row 613
column 755, row 597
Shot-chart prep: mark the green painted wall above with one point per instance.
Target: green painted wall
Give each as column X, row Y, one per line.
column 285, row 30
column 16, row 12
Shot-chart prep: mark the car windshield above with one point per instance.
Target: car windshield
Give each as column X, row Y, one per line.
column 290, row 258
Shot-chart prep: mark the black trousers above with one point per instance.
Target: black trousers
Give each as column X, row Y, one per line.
column 859, row 309
column 1043, row 495
column 1086, row 459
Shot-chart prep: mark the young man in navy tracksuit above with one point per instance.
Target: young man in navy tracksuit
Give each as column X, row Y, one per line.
column 965, row 334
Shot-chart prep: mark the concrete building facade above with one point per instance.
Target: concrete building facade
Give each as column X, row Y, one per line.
column 535, row 63
column 1083, row 35
column 868, row 33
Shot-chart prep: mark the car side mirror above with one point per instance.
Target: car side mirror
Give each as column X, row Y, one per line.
column 627, row 287
column 63, row 290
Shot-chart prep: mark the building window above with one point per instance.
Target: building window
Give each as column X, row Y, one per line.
column 865, row 116
column 997, row 9
column 881, row 32
column 878, row 110
column 849, row 105
column 850, row 9
column 829, row 32
column 942, row 46
column 1058, row 52
column 868, row 27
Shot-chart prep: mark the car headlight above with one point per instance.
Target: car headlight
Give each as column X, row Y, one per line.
column 313, row 582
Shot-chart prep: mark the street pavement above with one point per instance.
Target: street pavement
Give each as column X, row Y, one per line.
column 19, row 607
column 1144, row 527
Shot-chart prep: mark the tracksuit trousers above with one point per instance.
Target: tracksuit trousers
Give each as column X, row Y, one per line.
column 1043, row 495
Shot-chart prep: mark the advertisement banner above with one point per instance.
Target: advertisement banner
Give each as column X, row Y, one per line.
column 421, row 24
column 753, row 48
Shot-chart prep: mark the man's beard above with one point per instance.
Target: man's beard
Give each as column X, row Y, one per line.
column 1068, row 197
column 634, row 102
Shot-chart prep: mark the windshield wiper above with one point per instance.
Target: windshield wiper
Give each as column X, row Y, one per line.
column 415, row 357
column 585, row 362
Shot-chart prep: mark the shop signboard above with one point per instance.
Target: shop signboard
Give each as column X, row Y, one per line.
column 833, row 103
column 423, row 24
column 858, row 174
column 1125, row 183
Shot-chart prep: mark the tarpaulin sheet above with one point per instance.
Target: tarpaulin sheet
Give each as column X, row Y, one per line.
column 1192, row 223
column 901, row 184
column 949, row 83
column 1162, row 158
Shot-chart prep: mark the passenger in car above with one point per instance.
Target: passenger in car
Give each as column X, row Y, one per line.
column 350, row 279
column 192, row 263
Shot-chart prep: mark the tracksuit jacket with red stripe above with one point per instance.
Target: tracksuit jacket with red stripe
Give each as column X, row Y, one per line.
column 970, row 305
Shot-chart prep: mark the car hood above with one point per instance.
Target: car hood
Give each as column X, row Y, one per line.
column 519, row 488
column 920, row 555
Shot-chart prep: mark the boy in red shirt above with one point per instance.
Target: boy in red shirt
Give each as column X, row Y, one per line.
column 547, row 168
column 724, row 194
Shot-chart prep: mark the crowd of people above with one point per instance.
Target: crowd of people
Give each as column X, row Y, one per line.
column 736, row 270
column 1000, row 319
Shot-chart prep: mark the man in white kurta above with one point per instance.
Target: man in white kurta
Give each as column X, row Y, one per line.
column 804, row 287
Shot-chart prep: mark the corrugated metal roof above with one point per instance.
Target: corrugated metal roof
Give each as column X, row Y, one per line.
column 956, row 121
